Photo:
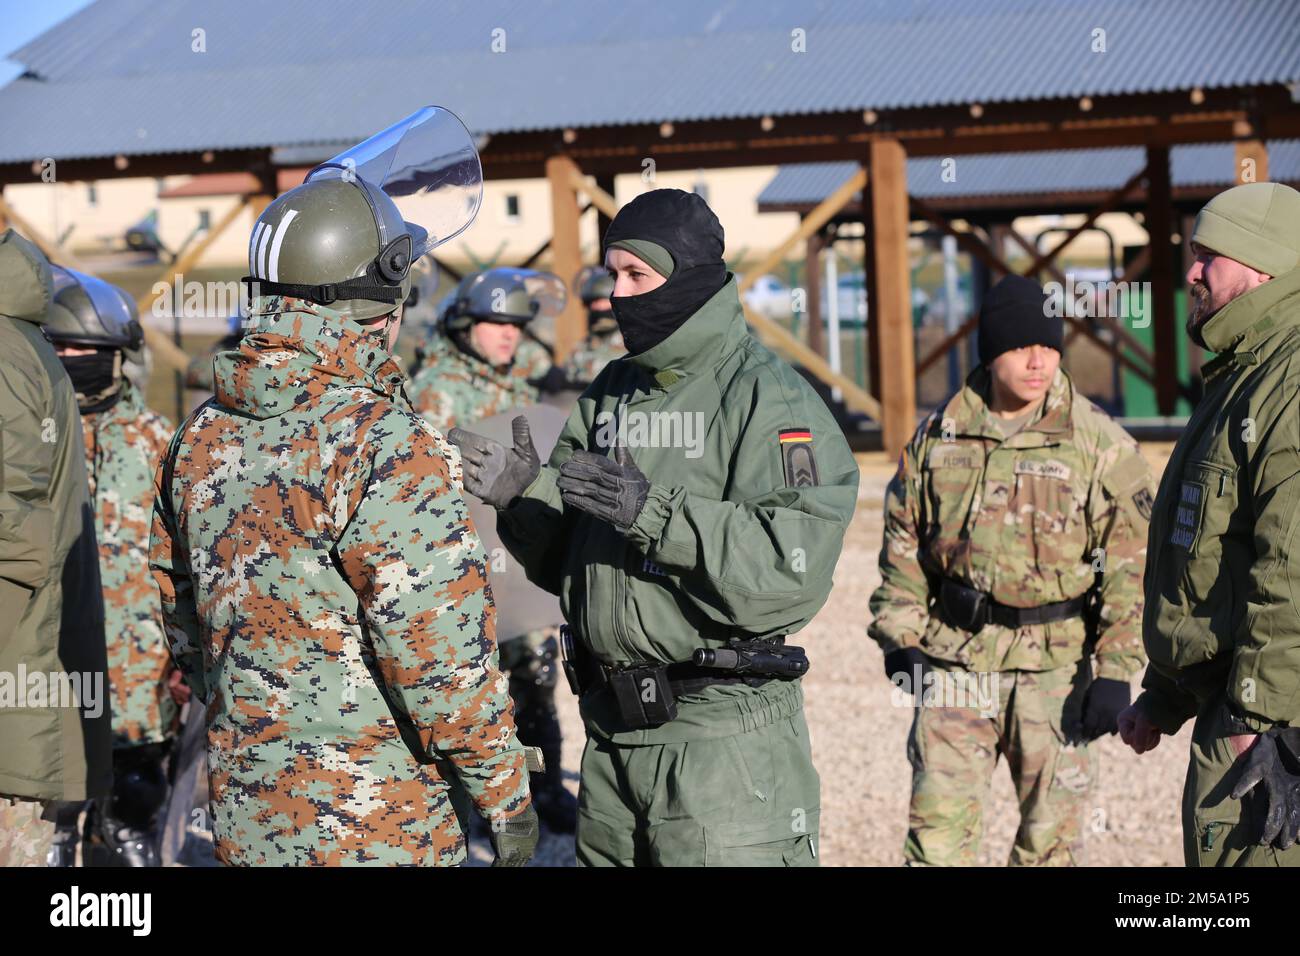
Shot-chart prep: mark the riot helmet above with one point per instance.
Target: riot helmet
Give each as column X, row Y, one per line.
column 594, row 283
column 87, row 313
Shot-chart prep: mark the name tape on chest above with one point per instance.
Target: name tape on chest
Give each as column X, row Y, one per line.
column 1043, row 469
column 797, row 457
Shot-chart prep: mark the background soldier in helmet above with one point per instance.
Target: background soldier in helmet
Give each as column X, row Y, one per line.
column 323, row 587
column 51, row 605
column 1015, row 531
column 198, row 374
column 93, row 328
column 469, row 376
column 603, row 343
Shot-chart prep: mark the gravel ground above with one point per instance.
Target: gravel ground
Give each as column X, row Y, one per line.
column 859, row 737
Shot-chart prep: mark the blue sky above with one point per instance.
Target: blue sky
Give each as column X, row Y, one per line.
column 23, row 21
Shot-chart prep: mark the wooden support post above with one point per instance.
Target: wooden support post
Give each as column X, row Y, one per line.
column 870, row 341
column 1252, row 161
column 52, row 251
column 566, row 254
column 1159, row 222
column 891, row 323
column 603, row 219
column 812, row 293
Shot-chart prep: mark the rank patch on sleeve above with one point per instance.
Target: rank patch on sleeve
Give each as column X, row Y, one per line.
column 797, row 457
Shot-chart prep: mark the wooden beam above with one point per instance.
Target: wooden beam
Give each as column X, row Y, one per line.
column 1113, row 200
column 602, row 200
column 541, row 250
column 812, row 282
column 54, row 252
column 1159, row 225
column 165, row 350
column 891, row 324
column 779, row 340
column 566, row 254
column 940, row 350
column 817, row 217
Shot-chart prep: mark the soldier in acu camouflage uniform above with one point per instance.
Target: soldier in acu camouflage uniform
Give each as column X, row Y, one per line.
column 323, row 587
column 1015, row 535
column 93, row 327
column 603, row 343
column 469, row 374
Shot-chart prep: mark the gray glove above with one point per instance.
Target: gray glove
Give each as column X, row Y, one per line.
column 493, row 472
column 613, row 490
column 1272, row 770
column 515, row 839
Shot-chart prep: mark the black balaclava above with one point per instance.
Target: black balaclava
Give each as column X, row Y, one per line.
column 683, row 224
column 1016, row 314
column 97, row 379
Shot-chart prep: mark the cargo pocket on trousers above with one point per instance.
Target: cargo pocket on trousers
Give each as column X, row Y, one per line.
column 774, row 842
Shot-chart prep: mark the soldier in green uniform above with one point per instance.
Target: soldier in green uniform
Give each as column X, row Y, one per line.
column 92, row 327
column 690, row 519
column 323, row 588
column 1015, row 531
column 1223, row 571
column 54, row 734
column 603, row 343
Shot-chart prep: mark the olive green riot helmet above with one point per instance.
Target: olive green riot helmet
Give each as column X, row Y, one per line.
column 508, row 296
column 88, row 313
column 340, row 240
column 594, row 283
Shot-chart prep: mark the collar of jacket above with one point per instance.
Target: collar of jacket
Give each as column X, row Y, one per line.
column 971, row 417
column 701, row 343
column 128, row 407
column 1240, row 330
column 296, row 351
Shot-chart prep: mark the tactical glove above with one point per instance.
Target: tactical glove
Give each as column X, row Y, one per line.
column 910, row 661
column 493, row 472
column 613, row 490
column 1073, row 709
column 514, row 839
column 1104, row 703
column 1272, row 771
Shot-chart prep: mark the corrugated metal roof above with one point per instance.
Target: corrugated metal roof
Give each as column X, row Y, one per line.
column 122, row 76
column 1014, row 174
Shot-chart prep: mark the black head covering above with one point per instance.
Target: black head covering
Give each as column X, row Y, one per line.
column 683, row 224
column 1015, row 315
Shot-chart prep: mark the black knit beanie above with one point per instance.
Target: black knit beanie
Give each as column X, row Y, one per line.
column 1015, row 315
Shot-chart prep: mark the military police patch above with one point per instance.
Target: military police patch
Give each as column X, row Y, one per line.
column 797, row 457
column 1143, row 501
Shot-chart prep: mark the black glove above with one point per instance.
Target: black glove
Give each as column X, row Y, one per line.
column 912, row 662
column 1101, row 708
column 613, row 490
column 1274, row 761
column 515, row 839
column 493, row 472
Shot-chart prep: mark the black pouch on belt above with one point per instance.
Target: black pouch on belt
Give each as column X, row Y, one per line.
column 964, row 607
column 643, row 695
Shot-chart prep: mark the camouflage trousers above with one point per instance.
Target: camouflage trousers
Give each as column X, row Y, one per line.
column 1218, row 830
column 953, row 751
column 26, row 832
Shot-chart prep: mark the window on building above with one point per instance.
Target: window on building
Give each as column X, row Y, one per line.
column 701, row 189
column 162, row 184
column 512, row 207
column 205, row 219
column 92, row 195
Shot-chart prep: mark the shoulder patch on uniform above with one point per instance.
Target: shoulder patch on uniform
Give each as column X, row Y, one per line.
column 797, row 457
column 1122, row 478
column 1143, row 501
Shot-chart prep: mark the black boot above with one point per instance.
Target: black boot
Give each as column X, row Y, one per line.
column 127, row 832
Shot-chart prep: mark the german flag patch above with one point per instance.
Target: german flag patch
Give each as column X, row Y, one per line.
column 797, row 457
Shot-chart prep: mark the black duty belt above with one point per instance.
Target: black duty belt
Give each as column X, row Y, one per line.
column 970, row 609
column 683, row 678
